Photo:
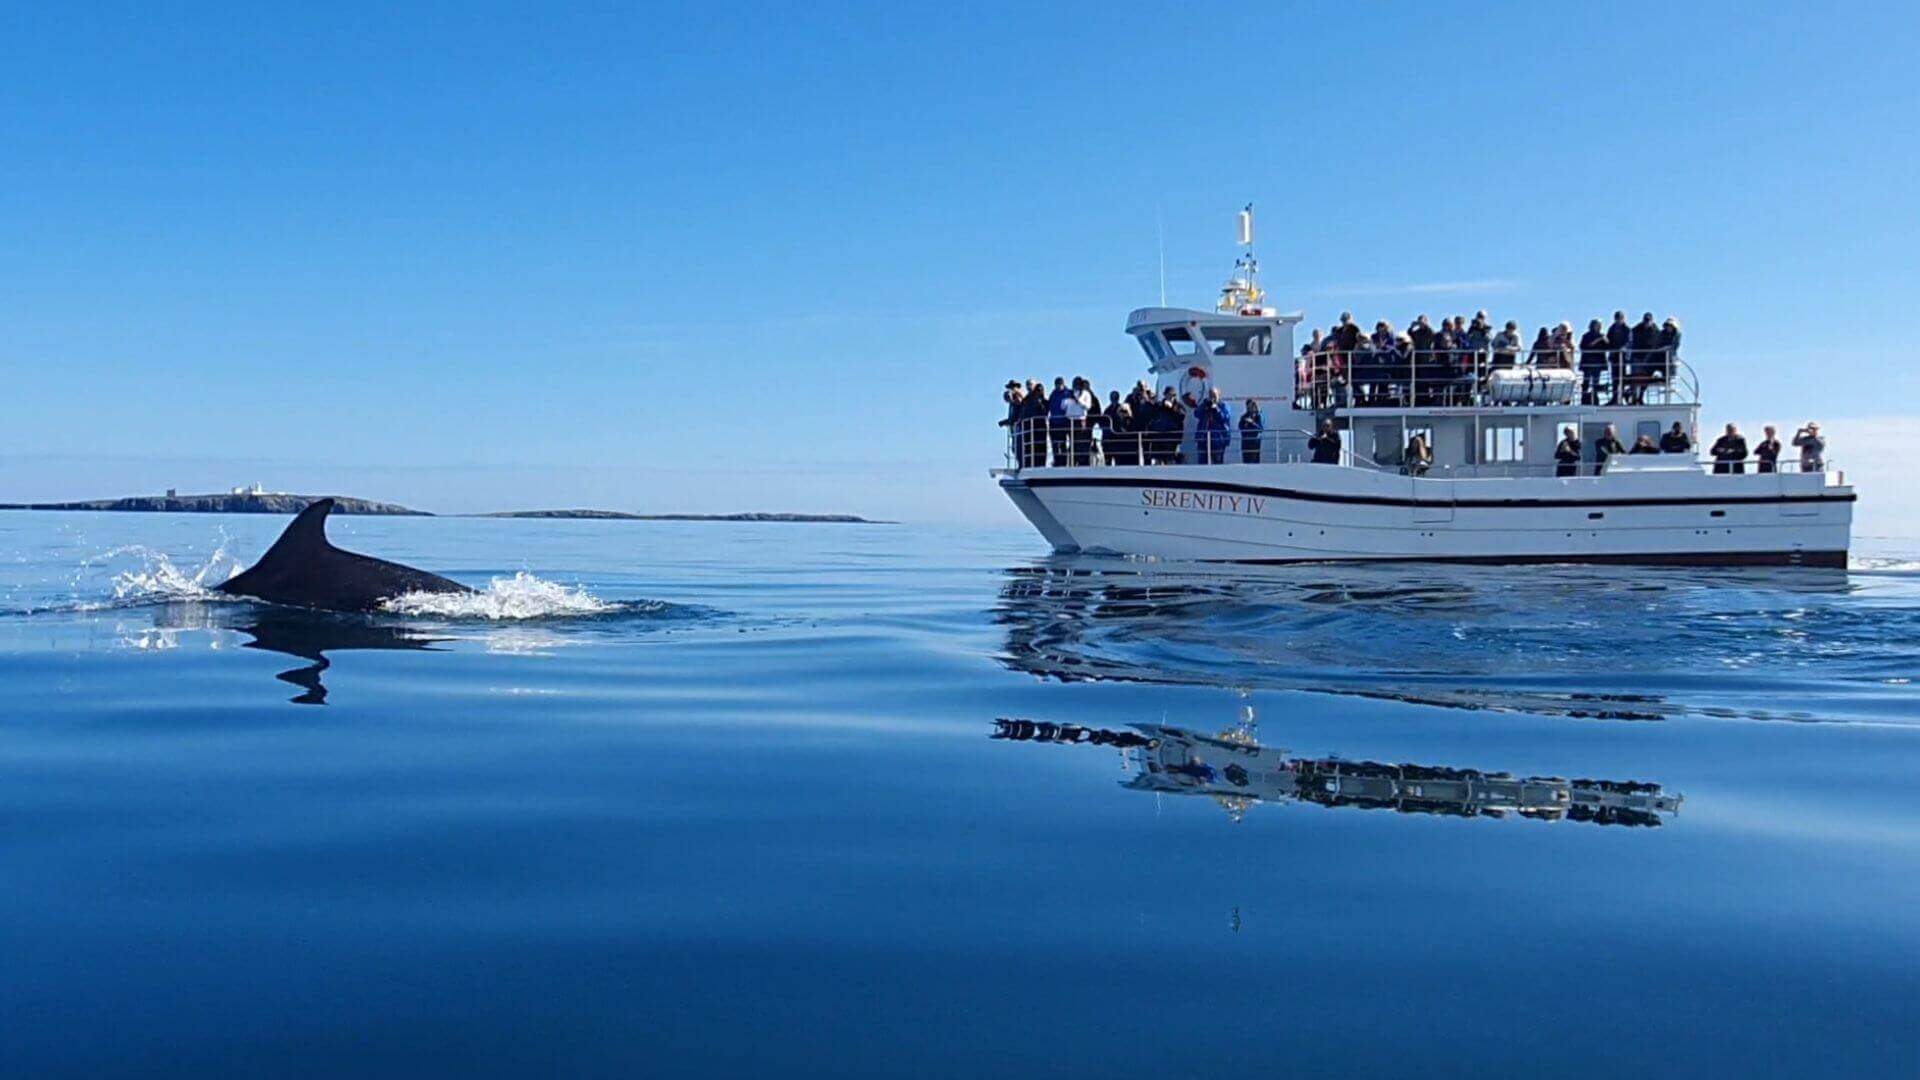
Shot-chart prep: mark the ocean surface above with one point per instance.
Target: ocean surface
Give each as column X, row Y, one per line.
column 748, row 800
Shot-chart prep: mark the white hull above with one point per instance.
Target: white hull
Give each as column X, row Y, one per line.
column 1293, row 512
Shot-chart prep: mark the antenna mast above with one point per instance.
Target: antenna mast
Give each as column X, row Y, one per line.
column 1242, row 293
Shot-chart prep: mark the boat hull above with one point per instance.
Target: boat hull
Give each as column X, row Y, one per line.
column 1292, row 512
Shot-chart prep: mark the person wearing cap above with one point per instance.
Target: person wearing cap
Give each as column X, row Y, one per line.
column 1730, row 452
column 1059, row 427
column 1813, row 448
column 1766, row 452
column 1676, row 441
column 1015, row 395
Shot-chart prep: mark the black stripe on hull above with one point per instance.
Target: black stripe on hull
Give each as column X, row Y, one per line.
column 1432, row 504
column 1826, row 560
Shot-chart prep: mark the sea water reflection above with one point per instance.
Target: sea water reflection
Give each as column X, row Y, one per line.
column 1610, row 643
column 1235, row 770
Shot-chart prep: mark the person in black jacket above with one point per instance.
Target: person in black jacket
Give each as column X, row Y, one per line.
column 1607, row 445
column 1644, row 363
column 1618, row 334
column 1644, row 445
column 1167, row 424
column 1593, row 362
column 1325, row 446
column 1566, row 456
column 1033, row 426
column 1676, row 441
column 1730, row 452
column 1251, row 428
column 1767, row 451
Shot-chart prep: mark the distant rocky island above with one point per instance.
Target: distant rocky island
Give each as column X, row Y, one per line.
column 237, row 502
column 268, row 502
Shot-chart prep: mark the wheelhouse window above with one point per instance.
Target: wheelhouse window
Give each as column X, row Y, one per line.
column 1155, row 348
column 1180, row 341
column 1239, row 340
column 1503, row 444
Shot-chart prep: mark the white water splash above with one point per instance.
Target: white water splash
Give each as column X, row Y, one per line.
column 1883, row 564
column 522, row 596
column 155, row 579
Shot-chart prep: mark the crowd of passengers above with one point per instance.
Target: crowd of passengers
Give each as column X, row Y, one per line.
column 1070, row 424
column 1141, row 429
column 1729, row 452
column 1616, row 363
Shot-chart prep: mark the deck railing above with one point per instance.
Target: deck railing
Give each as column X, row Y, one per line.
column 1050, row 444
column 1460, row 378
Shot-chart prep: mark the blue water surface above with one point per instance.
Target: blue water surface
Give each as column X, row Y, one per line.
column 750, row 815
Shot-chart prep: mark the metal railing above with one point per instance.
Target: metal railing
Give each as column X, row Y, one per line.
column 1040, row 443
column 1462, row 378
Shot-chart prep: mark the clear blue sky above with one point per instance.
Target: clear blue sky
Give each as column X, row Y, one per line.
column 742, row 257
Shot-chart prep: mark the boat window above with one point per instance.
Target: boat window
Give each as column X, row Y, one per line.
column 1503, row 443
column 1239, row 340
column 1156, row 349
column 1180, row 341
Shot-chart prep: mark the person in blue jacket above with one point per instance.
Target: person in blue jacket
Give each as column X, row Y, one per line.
column 1251, row 427
column 1213, row 429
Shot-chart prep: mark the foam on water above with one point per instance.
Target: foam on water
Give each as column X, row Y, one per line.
column 522, row 596
column 153, row 577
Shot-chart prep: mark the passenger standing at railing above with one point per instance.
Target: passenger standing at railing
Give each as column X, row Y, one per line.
column 1506, row 345
column 1479, row 335
column 1730, row 452
column 1644, row 362
column 1813, row 449
column 1619, row 334
column 1251, row 428
column 1566, row 456
column 1676, row 441
column 1562, row 342
column 1059, row 428
column 1325, row 447
column 1644, row 445
column 1421, row 334
column 1418, row 456
column 1541, row 353
column 1346, row 333
column 1669, row 346
column 1212, row 429
column 1120, row 444
column 1766, row 452
column 1081, row 405
column 1033, row 426
column 1593, row 362
column 1607, row 445
column 1015, row 395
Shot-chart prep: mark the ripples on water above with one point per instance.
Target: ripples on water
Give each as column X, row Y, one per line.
column 763, row 799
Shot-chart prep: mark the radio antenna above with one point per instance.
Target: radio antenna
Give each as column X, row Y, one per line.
column 1160, row 227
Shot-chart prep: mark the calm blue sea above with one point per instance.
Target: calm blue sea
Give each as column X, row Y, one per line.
column 711, row 799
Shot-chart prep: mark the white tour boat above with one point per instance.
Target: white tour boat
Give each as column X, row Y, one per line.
column 1492, row 493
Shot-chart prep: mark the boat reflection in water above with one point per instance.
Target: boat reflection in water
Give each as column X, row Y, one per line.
column 1604, row 643
column 296, row 632
column 1237, row 772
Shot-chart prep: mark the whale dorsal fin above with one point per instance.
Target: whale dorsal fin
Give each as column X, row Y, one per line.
column 304, row 538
